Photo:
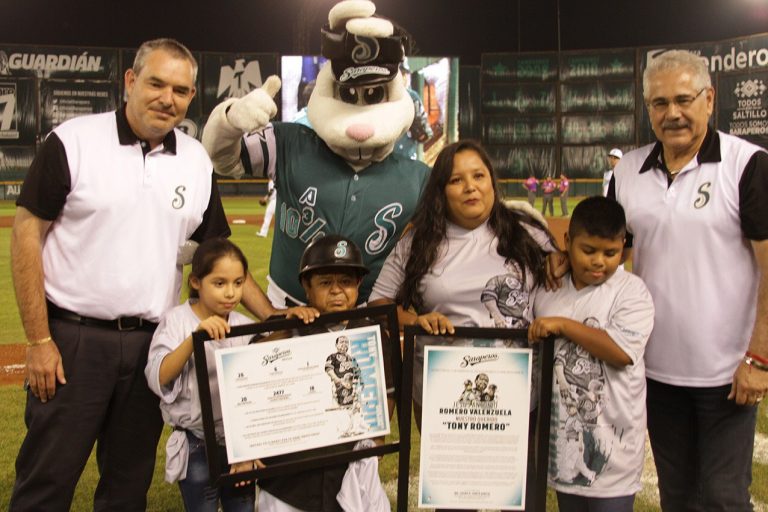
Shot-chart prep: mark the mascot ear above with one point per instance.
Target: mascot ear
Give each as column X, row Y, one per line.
column 347, row 10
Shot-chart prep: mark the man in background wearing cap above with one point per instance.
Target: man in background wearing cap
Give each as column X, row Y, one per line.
column 420, row 131
column 613, row 158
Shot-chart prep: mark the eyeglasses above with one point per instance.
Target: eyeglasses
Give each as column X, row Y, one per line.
column 682, row 102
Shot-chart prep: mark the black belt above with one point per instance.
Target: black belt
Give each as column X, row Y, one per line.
column 124, row 323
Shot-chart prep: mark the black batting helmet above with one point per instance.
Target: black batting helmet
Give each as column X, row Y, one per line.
column 332, row 252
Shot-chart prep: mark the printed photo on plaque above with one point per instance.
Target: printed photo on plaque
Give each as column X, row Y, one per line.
column 301, row 393
column 474, row 429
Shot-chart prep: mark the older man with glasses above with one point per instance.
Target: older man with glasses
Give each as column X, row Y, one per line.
column 696, row 207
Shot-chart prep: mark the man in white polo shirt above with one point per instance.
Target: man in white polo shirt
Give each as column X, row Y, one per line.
column 106, row 207
column 695, row 204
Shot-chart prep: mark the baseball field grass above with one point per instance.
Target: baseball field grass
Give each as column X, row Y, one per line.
column 164, row 497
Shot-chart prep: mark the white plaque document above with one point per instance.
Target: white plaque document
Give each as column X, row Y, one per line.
column 474, row 427
column 300, row 393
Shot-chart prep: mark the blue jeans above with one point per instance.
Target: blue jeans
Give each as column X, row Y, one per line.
column 573, row 503
column 702, row 444
column 199, row 496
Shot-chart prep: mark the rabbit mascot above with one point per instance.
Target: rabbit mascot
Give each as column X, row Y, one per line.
column 340, row 176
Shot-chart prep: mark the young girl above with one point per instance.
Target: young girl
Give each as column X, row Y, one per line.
column 219, row 270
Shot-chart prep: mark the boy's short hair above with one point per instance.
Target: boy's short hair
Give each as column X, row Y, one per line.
column 598, row 216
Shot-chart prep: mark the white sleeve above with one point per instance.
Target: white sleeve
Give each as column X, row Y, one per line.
column 631, row 317
column 392, row 274
column 168, row 335
column 262, row 151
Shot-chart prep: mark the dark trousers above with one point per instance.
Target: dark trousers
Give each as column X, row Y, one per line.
column 702, row 444
column 564, row 203
column 573, row 503
column 548, row 201
column 106, row 400
column 532, row 197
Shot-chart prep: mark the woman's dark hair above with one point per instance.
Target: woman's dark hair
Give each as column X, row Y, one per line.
column 430, row 220
column 206, row 256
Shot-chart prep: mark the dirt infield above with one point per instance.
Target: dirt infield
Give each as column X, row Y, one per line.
column 12, row 364
column 12, row 356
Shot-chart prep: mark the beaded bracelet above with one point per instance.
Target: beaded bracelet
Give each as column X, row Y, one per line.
column 39, row 342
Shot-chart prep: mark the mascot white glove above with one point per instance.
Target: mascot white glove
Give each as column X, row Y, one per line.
column 253, row 111
column 233, row 118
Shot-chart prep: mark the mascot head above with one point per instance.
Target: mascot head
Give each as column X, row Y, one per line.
column 360, row 106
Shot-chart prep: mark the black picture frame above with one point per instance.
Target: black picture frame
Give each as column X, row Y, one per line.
column 401, row 372
column 536, row 494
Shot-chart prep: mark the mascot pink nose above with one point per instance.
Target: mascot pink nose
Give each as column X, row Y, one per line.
column 360, row 132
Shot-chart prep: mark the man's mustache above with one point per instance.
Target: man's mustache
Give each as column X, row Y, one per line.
column 673, row 126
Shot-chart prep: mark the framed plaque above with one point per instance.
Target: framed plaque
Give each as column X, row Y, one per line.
column 300, row 393
column 306, row 391
column 481, row 446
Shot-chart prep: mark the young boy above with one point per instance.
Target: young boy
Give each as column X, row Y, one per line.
column 601, row 320
column 331, row 270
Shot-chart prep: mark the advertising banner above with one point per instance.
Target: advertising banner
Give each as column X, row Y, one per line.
column 598, row 97
column 509, row 67
column 517, row 162
column 61, row 100
column 520, row 130
column 598, row 129
column 14, row 162
column 227, row 75
column 742, row 106
column 59, row 62
column 745, row 54
column 520, row 98
column 599, row 65
column 18, row 119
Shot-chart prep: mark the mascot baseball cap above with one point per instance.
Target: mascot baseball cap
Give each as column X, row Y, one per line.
column 616, row 152
column 360, row 60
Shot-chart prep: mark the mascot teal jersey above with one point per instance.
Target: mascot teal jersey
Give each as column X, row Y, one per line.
column 318, row 193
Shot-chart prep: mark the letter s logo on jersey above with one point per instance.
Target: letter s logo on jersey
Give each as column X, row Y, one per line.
column 386, row 228
column 703, row 198
column 178, row 202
